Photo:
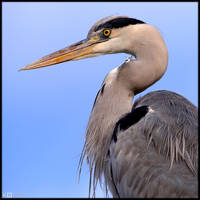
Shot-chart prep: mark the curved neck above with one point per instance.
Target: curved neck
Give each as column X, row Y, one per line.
column 116, row 94
column 151, row 55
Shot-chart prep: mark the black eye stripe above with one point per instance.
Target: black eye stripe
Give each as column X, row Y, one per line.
column 119, row 23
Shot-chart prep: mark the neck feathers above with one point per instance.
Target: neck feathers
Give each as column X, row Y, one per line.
column 111, row 103
column 114, row 99
column 149, row 49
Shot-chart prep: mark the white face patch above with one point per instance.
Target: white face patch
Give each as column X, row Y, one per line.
column 113, row 45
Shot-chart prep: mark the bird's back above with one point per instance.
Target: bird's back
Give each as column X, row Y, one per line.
column 154, row 149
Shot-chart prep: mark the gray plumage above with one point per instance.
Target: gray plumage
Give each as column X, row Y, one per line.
column 157, row 157
column 149, row 149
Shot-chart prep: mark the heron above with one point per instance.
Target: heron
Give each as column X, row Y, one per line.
column 148, row 148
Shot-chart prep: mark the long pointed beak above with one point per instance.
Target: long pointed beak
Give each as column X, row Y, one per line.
column 79, row 50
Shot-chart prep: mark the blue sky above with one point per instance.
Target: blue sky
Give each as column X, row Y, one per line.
column 45, row 111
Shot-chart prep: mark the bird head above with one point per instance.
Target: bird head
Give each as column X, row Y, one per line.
column 107, row 36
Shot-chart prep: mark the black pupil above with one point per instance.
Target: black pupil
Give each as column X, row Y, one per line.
column 106, row 32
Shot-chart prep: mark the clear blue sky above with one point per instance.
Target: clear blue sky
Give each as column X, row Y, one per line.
column 45, row 111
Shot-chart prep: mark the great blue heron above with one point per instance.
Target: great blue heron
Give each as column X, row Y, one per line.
column 149, row 149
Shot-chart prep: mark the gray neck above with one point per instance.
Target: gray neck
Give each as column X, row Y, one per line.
column 110, row 105
column 115, row 98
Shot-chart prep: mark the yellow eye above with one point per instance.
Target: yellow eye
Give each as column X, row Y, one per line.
column 106, row 32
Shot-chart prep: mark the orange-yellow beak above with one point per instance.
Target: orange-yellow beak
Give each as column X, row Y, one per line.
column 79, row 50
